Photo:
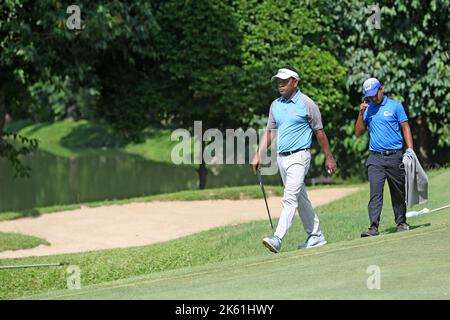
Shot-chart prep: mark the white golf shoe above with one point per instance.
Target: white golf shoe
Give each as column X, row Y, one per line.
column 313, row 241
column 273, row 243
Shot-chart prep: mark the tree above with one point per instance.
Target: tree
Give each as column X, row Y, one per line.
column 409, row 53
column 200, row 59
column 292, row 32
column 47, row 67
column 217, row 58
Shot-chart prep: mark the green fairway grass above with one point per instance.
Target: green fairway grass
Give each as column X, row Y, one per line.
column 15, row 241
column 412, row 265
column 342, row 222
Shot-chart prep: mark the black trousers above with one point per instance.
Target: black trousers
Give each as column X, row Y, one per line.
column 381, row 167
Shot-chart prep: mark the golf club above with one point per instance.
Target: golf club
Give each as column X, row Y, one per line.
column 35, row 265
column 258, row 174
column 423, row 211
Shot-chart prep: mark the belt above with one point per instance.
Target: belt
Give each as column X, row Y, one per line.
column 387, row 152
column 288, row 153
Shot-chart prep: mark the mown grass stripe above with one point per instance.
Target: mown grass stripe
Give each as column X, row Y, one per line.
column 296, row 256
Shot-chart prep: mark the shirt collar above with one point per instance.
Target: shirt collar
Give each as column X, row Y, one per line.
column 294, row 99
column 382, row 103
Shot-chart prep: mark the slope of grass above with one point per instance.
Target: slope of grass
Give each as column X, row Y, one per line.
column 15, row 241
column 378, row 268
column 341, row 221
column 157, row 146
column 70, row 139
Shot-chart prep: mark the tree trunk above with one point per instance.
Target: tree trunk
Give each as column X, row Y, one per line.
column 202, row 172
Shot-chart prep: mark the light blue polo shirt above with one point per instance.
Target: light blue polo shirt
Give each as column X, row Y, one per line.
column 295, row 119
column 384, row 125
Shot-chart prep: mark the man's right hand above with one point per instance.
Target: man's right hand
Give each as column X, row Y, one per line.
column 363, row 106
column 256, row 163
column 360, row 127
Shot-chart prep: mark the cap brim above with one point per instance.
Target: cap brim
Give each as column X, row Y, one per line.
column 371, row 92
column 282, row 77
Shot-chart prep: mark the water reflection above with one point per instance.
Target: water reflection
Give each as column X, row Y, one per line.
column 55, row 180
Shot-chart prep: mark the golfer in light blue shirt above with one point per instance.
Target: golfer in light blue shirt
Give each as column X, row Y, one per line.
column 295, row 117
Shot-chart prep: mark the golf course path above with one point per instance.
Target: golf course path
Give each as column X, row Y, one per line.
column 137, row 224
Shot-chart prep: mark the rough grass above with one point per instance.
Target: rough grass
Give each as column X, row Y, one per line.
column 15, row 241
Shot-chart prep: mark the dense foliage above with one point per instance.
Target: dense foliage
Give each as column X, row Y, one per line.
column 135, row 64
column 409, row 53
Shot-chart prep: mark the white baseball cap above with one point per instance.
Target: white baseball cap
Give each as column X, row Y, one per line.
column 284, row 74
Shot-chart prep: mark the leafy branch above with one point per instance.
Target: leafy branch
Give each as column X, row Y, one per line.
column 12, row 150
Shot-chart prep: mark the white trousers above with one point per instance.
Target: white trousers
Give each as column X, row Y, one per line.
column 293, row 169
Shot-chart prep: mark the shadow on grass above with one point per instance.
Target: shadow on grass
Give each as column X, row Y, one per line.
column 37, row 127
column 16, row 126
column 28, row 213
column 100, row 135
column 92, row 135
column 19, row 125
column 411, row 227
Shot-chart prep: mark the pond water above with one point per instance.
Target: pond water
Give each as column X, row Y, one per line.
column 56, row 180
